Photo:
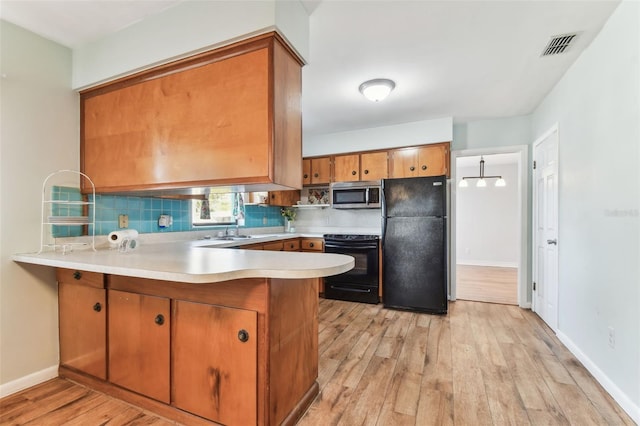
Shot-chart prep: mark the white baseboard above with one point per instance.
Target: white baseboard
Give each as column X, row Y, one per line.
column 487, row 263
column 620, row 397
column 28, row 381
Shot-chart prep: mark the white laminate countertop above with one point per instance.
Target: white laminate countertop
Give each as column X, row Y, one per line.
column 198, row 261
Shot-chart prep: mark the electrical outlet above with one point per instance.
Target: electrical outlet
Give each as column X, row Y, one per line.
column 123, row 221
column 612, row 337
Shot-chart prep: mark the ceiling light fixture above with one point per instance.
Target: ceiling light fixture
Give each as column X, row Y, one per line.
column 482, row 182
column 378, row 89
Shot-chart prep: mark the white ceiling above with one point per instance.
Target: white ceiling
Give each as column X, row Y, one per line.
column 466, row 59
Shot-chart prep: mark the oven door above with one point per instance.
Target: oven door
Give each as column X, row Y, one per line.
column 365, row 254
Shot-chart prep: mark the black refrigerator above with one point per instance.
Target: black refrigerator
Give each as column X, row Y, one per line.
column 414, row 244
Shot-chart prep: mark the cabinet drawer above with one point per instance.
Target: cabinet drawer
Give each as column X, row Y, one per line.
column 312, row 244
column 274, row 246
column 74, row 276
column 292, row 245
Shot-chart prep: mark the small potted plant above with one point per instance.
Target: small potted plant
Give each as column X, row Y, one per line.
column 289, row 216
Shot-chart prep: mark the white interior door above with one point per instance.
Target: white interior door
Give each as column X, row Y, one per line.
column 545, row 219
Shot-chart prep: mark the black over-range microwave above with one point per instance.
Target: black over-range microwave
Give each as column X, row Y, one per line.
column 356, row 195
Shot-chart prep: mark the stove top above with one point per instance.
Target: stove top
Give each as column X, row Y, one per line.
column 350, row 237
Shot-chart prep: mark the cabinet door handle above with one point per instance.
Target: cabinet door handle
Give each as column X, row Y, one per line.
column 353, row 172
column 366, row 172
column 243, row 335
column 310, row 244
column 306, row 176
column 424, row 167
column 77, row 275
column 315, row 175
column 412, row 168
column 97, row 307
column 159, row 319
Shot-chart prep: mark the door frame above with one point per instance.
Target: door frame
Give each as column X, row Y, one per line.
column 534, row 216
column 524, row 291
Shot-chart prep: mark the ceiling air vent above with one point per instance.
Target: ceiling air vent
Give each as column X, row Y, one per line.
column 559, row 44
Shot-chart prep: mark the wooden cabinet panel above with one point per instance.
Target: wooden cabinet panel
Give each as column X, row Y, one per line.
column 428, row 160
column 228, row 116
column 321, row 170
column 284, row 198
column 74, row 276
column 306, row 171
column 312, row 244
column 433, row 160
column 346, row 168
column 292, row 245
column 404, row 163
column 139, row 332
column 360, row 167
column 374, row 166
column 274, row 246
column 214, row 361
column 83, row 328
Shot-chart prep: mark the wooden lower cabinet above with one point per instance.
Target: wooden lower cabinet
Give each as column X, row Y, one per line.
column 274, row 246
column 214, row 358
column 139, row 336
column 312, row 244
column 83, row 327
column 238, row 352
column 291, row 245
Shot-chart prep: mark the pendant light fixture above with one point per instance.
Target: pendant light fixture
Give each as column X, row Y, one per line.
column 378, row 89
column 482, row 183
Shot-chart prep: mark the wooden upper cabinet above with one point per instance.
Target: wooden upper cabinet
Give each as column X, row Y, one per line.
column 359, row 167
column 284, row 198
column 346, row 168
column 427, row 160
column 229, row 116
column 374, row 166
column 320, row 170
column 306, row 171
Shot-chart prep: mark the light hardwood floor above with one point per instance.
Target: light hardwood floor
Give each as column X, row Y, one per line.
column 482, row 364
column 487, row 284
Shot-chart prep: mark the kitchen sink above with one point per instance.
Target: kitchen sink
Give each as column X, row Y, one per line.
column 231, row 237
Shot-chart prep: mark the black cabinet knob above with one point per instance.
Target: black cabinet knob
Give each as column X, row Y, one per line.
column 77, row 275
column 424, row 167
column 243, row 335
column 366, row 172
column 97, row 307
column 353, row 172
column 273, row 196
column 315, row 175
column 159, row 319
column 412, row 168
column 310, row 244
column 306, row 176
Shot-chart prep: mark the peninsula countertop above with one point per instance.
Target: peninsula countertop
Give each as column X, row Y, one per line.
column 196, row 261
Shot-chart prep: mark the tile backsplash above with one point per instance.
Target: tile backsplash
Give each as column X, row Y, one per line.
column 144, row 212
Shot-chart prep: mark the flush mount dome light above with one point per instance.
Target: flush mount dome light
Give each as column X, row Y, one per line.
column 378, row 89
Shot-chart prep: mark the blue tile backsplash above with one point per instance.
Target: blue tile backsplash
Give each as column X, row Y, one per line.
column 144, row 212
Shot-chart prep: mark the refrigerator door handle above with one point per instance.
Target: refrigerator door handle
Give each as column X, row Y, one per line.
column 384, row 230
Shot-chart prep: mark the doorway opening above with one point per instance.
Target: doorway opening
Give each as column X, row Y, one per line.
column 489, row 226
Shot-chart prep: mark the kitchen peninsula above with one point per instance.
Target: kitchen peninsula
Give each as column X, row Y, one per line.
column 192, row 332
